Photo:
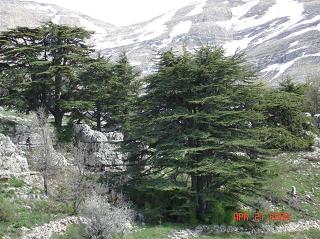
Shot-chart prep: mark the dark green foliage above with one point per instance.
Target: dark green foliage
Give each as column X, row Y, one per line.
column 111, row 90
column 198, row 113
column 38, row 67
column 312, row 95
column 289, row 125
column 161, row 200
column 204, row 126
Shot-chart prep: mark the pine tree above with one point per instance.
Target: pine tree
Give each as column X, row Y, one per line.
column 40, row 65
column 197, row 123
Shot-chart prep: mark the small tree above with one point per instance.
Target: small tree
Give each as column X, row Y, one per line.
column 43, row 154
column 312, row 95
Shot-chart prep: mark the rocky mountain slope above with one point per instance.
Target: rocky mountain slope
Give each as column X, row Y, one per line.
column 280, row 37
column 28, row 13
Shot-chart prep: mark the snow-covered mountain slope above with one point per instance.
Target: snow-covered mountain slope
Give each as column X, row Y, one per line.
column 280, row 37
column 28, row 13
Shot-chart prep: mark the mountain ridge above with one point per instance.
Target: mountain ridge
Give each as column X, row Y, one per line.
column 279, row 37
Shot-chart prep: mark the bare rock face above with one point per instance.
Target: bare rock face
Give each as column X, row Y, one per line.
column 86, row 135
column 101, row 150
column 13, row 163
column 12, row 160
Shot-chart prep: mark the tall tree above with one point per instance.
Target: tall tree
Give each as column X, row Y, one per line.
column 197, row 120
column 111, row 88
column 39, row 65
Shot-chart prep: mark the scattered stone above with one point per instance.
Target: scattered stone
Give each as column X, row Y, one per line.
column 264, row 229
column 293, row 191
column 47, row 230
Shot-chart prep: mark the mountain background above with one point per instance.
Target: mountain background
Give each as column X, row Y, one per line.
column 280, row 37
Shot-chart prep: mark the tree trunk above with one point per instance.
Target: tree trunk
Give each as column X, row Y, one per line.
column 58, row 113
column 98, row 115
column 45, row 183
column 200, row 185
column 58, row 116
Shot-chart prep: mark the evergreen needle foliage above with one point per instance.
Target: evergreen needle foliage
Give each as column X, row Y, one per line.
column 198, row 133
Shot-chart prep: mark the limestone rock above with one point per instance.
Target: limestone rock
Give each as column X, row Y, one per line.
column 101, row 150
column 12, row 160
column 86, row 135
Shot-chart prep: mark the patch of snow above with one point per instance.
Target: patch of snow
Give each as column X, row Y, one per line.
column 90, row 25
column 271, row 68
column 198, row 9
column 135, row 63
column 276, row 11
column 231, row 46
column 293, row 44
column 153, row 30
column 156, row 28
column 297, row 49
column 180, row 28
column 39, row 7
column 56, row 19
column 308, row 21
column 237, row 13
column 280, row 9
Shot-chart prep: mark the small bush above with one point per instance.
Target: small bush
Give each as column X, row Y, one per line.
column 15, row 182
column 106, row 220
column 7, row 211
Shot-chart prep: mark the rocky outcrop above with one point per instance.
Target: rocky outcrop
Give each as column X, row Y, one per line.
column 12, row 160
column 101, row 150
column 13, row 163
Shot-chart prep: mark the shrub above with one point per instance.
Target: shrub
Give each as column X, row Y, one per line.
column 15, row 182
column 106, row 220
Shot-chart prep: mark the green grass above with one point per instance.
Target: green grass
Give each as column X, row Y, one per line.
column 17, row 213
column 150, row 232
column 304, row 177
column 15, row 182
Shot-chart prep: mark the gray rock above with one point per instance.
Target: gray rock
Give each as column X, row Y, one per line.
column 12, row 160
column 101, row 150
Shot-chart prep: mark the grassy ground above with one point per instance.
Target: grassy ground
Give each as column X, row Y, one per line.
column 16, row 213
column 162, row 232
